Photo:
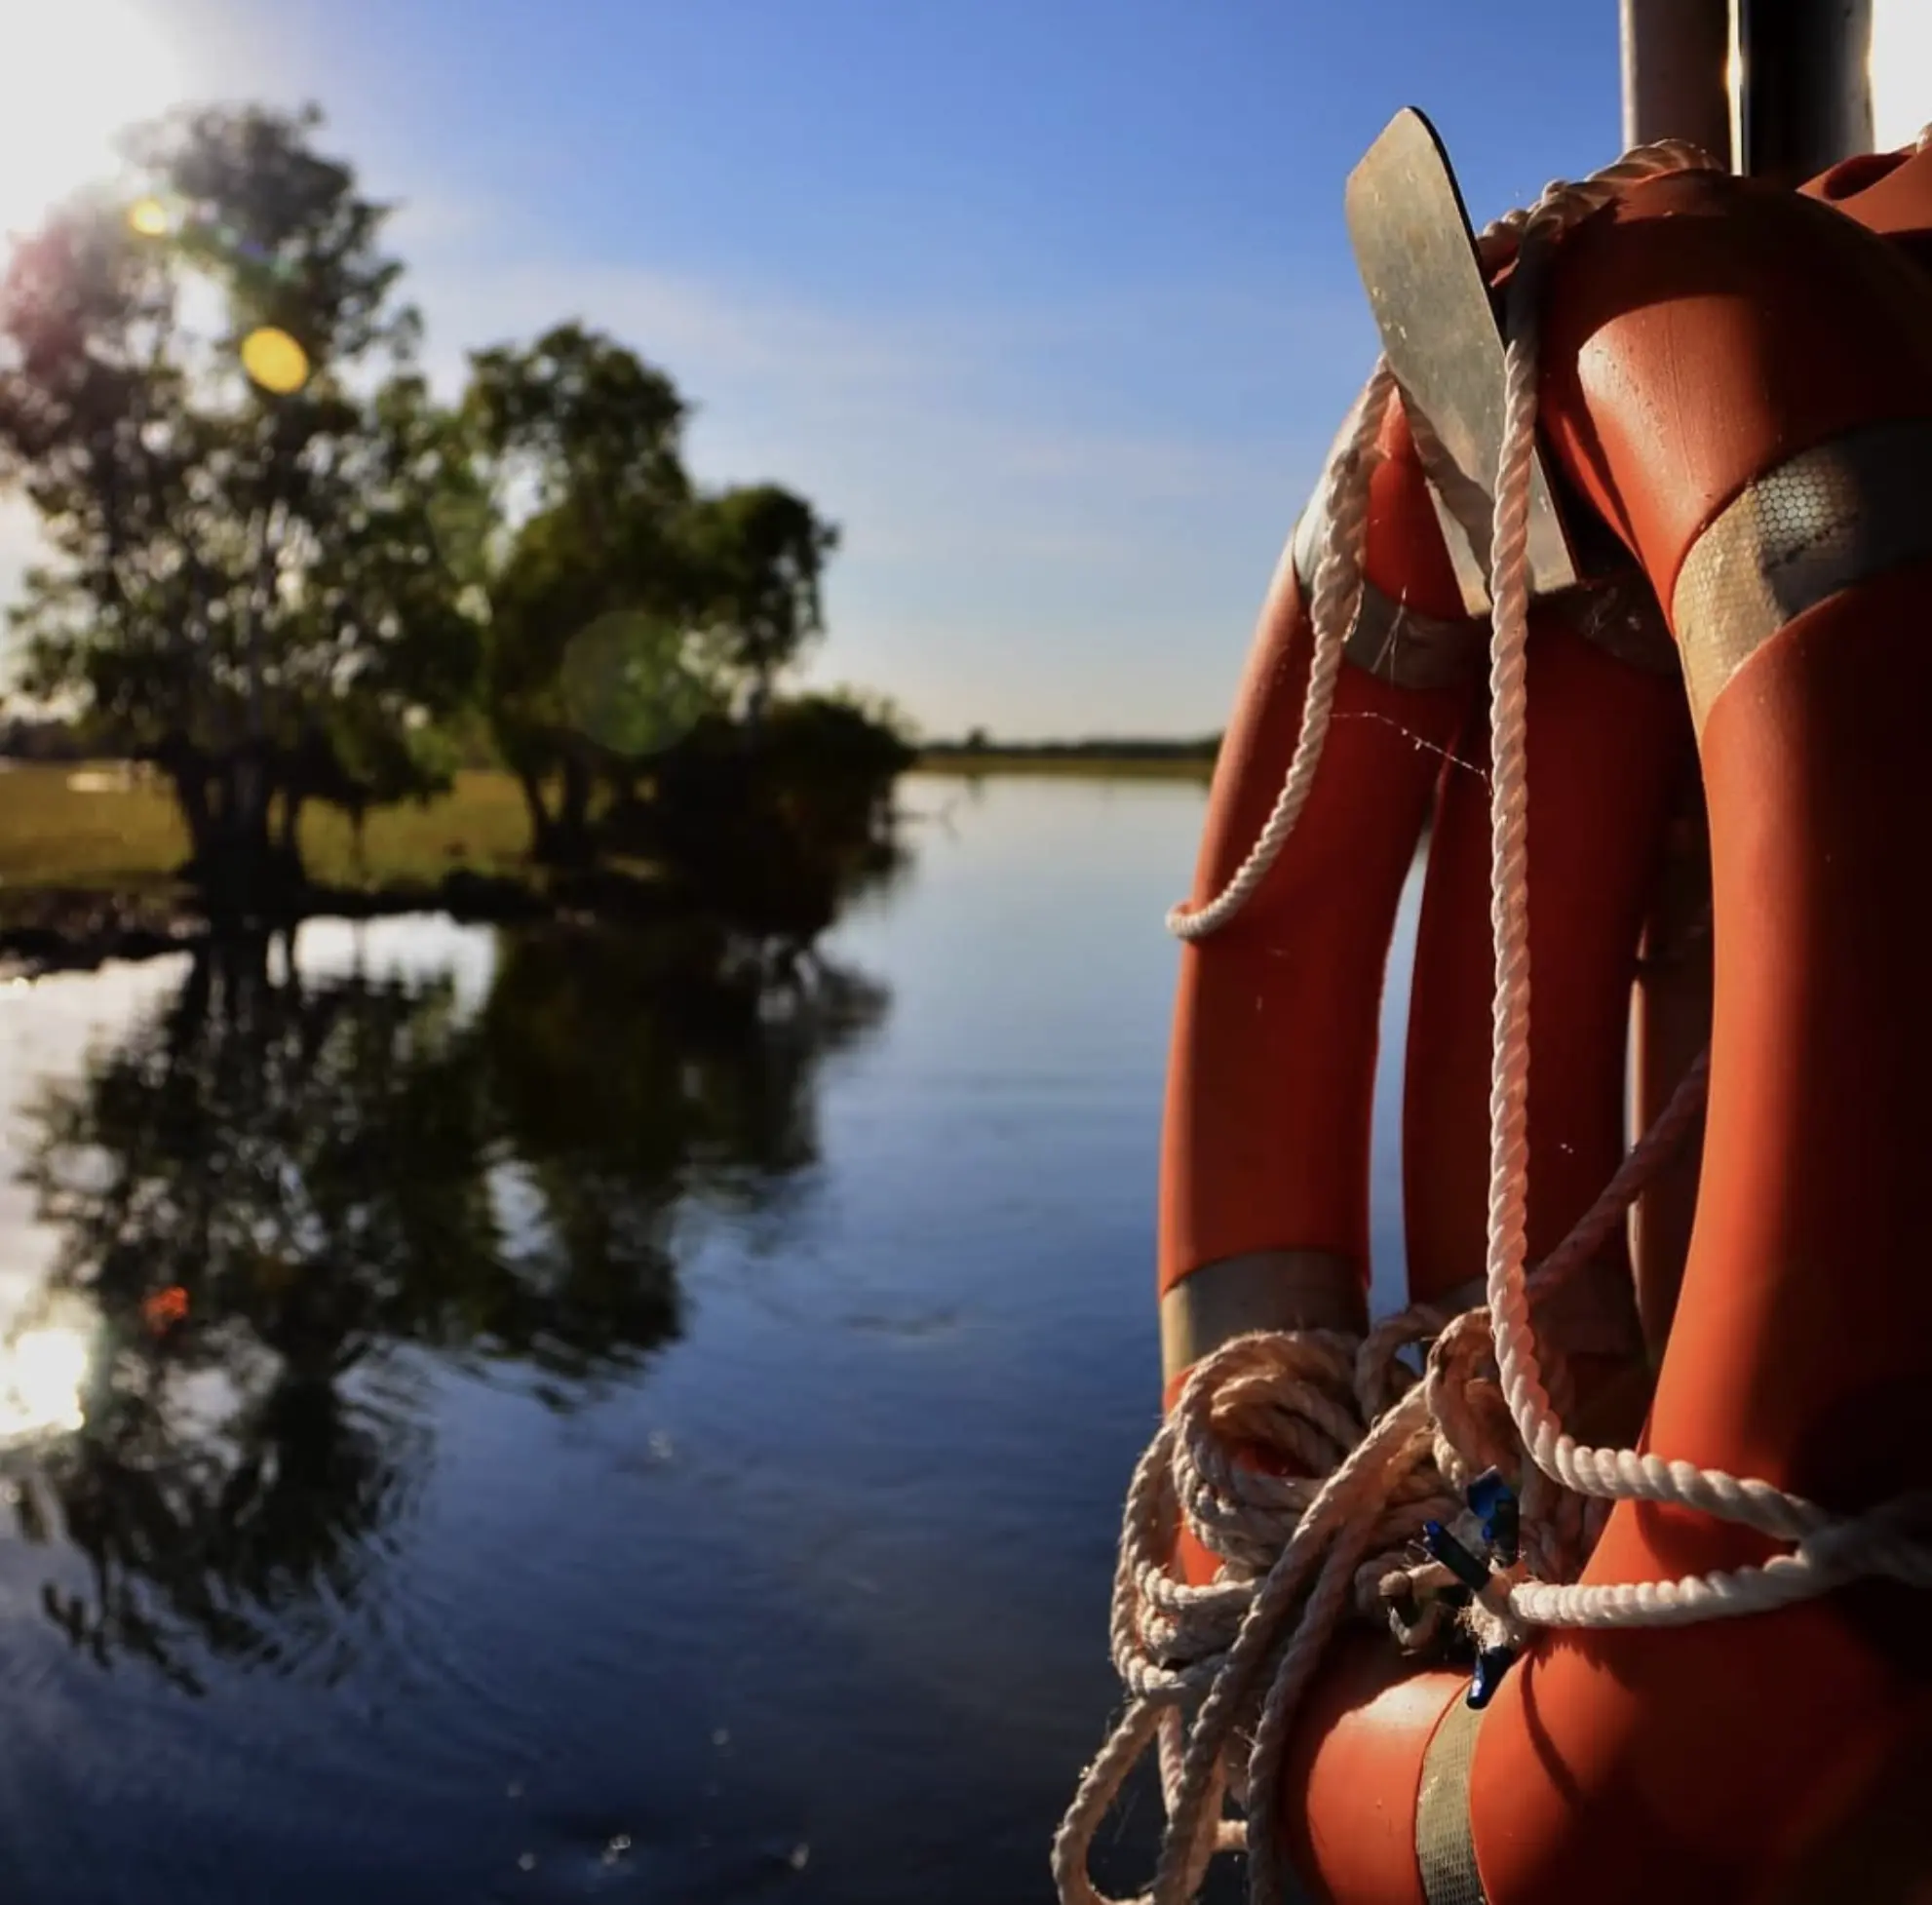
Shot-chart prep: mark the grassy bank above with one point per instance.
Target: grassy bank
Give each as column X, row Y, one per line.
column 99, row 826
column 1089, row 766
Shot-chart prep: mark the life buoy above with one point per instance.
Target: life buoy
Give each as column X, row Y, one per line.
column 1738, row 382
column 1700, row 1763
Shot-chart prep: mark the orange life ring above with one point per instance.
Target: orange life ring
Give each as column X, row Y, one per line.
column 1739, row 383
column 1264, row 1190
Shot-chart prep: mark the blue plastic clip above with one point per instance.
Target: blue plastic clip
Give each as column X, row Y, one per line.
column 1494, row 1500
column 1474, row 1574
column 1491, row 1666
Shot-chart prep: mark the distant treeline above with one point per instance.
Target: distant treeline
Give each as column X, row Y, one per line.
column 1100, row 748
column 58, row 740
column 47, row 740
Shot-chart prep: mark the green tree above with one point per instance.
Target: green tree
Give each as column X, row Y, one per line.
column 626, row 605
column 593, row 662
column 389, row 635
column 241, row 579
column 761, row 553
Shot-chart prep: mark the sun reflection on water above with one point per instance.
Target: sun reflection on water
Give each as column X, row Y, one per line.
column 42, row 1373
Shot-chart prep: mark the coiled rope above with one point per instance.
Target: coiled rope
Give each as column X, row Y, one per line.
column 1215, row 1674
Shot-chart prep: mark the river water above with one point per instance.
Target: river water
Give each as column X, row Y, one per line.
column 497, row 1419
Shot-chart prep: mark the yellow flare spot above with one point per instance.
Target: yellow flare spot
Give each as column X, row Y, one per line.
column 149, row 217
column 275, row 361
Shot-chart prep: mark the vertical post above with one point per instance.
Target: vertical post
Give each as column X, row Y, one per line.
column 1676, row 73
column 1804, row 85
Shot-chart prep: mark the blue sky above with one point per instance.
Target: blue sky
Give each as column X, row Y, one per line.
column 1048, row 303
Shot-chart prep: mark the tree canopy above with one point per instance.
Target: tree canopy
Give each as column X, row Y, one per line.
column 239, row 577
column 279, row 567
column 627, row 602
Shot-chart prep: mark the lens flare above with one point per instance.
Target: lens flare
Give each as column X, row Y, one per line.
column 149, row 217
column 166, row 1309
column 630, row 684
column 275, row 361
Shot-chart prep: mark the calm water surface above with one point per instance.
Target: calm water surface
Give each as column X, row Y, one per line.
column 525, row 1418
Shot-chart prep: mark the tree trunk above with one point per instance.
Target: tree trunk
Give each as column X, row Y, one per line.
column 542, row 828
column 240, row 873
column 289, row 849
column 573, row 819
column 189, row 780
column 758, row 701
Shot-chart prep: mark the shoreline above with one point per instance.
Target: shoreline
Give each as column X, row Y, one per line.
column 67, row 911
column 57, row 929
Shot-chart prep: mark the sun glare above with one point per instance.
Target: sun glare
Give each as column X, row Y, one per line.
column 1901, row 72
column 149, row 217
column 75, row 72
column 41, row 1373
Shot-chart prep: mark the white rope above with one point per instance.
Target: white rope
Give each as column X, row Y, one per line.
column 1331, row 610
column 1370, row 1454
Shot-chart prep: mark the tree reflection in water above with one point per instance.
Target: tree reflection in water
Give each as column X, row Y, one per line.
column 274, row 1189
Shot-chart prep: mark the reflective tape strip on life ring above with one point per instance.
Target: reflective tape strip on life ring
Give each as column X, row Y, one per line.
column 1444, row 1845
column 1391, row 640
column 1832, row 517
column 1267, row 1290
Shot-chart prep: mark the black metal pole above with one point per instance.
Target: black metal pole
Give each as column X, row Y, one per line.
column 1676, row 80
column 1804, row 85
